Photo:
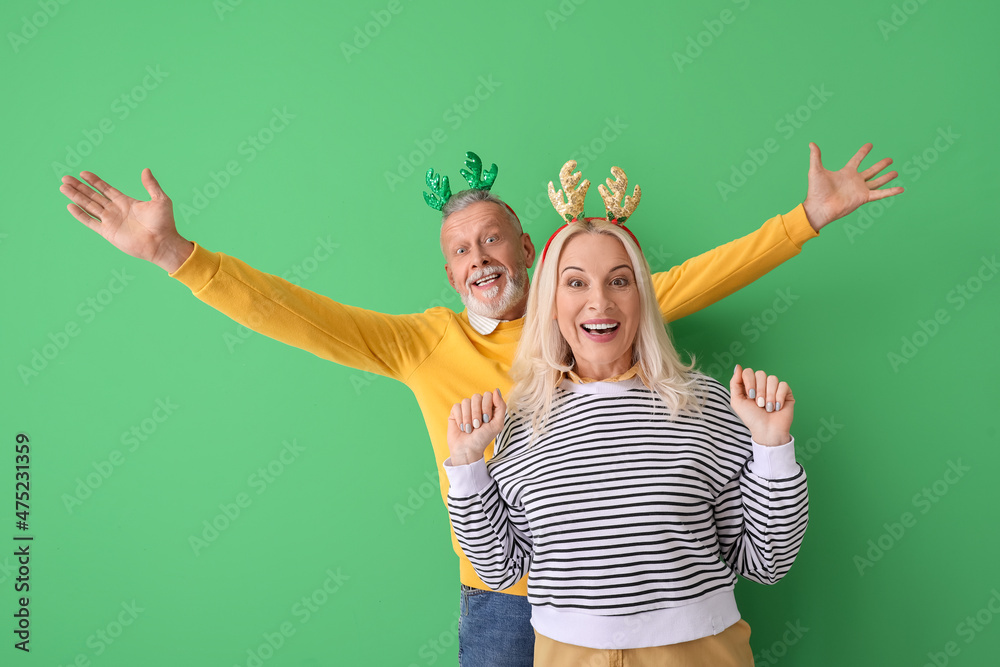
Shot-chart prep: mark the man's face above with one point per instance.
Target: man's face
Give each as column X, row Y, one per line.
column 487, row 260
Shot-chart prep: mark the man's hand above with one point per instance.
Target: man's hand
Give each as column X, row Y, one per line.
column 764, row 404
column 834, row 194
column 143, row 229
column 473, row 424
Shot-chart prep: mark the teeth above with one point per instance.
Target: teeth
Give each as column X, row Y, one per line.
column 488, row 279
column 599, row 327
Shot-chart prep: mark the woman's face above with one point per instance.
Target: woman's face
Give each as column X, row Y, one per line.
column 597, row 304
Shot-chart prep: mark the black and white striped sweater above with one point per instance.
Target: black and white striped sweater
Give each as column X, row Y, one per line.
column 634, row 526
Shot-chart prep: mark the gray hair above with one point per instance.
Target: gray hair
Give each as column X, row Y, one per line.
column 465, row 198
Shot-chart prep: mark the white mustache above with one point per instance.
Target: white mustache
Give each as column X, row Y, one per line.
column 479, row 274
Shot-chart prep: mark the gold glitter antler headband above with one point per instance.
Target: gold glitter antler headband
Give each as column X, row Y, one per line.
column 619, row 187
column 572, row 208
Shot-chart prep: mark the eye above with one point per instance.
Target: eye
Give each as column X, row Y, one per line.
column 460, row 251
column 620, row 282
column 492, row 239
column 575, row 282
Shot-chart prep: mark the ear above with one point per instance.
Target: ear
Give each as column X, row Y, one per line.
column 529, row 250
column 451, row 278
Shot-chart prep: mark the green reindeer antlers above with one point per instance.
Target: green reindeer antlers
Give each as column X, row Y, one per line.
column 441, row 188
column 476, row 178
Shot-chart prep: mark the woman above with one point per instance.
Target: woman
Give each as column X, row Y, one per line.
column 635, row 488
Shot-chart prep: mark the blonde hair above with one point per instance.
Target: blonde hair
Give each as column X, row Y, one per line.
column 543, row 355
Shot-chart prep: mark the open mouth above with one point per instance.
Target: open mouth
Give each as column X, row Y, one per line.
column 487, row 280
column 601, row 329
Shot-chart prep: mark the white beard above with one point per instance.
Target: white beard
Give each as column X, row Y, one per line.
column 513, row 292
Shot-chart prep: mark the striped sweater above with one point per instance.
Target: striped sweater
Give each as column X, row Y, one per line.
column 634, row 526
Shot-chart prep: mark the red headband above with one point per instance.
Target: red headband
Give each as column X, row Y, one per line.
column 622, row 225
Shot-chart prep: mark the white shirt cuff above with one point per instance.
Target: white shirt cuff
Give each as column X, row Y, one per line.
column 774, row 462
column 467, row 480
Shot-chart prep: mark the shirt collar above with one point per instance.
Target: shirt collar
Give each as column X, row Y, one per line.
column 630, row 373
column 483, row 325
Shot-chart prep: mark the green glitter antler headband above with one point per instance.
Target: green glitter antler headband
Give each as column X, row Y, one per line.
column 441, row 187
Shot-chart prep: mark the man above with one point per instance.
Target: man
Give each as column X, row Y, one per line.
column 444, row 356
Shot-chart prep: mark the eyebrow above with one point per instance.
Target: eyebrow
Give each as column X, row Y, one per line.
column 620, row 266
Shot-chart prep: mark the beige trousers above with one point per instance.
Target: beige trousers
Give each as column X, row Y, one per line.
column 729, row 648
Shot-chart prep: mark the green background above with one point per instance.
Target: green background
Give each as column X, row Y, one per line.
column 560, row 74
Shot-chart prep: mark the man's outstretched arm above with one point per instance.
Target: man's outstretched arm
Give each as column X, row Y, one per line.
column 390, row 345
column 711, row 276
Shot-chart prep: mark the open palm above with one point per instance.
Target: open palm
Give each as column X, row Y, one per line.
column 833, row 194
column 142, row 229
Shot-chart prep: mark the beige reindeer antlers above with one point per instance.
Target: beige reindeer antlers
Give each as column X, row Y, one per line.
column 573, row 206
column 619, row 213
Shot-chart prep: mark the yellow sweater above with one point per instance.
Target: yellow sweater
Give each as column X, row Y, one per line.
column 437, row 353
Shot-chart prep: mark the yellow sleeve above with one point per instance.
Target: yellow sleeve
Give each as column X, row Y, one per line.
column 714, row 275
column 390, row 345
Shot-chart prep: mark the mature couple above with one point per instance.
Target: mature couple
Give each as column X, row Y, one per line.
column 625, row 491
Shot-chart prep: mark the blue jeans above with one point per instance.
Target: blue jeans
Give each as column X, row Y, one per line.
column 494, row 630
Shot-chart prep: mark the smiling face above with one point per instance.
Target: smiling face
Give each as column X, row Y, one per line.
column 487, row 260
column 597, row 304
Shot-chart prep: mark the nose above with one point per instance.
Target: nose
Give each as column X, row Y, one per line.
column 601, row 299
